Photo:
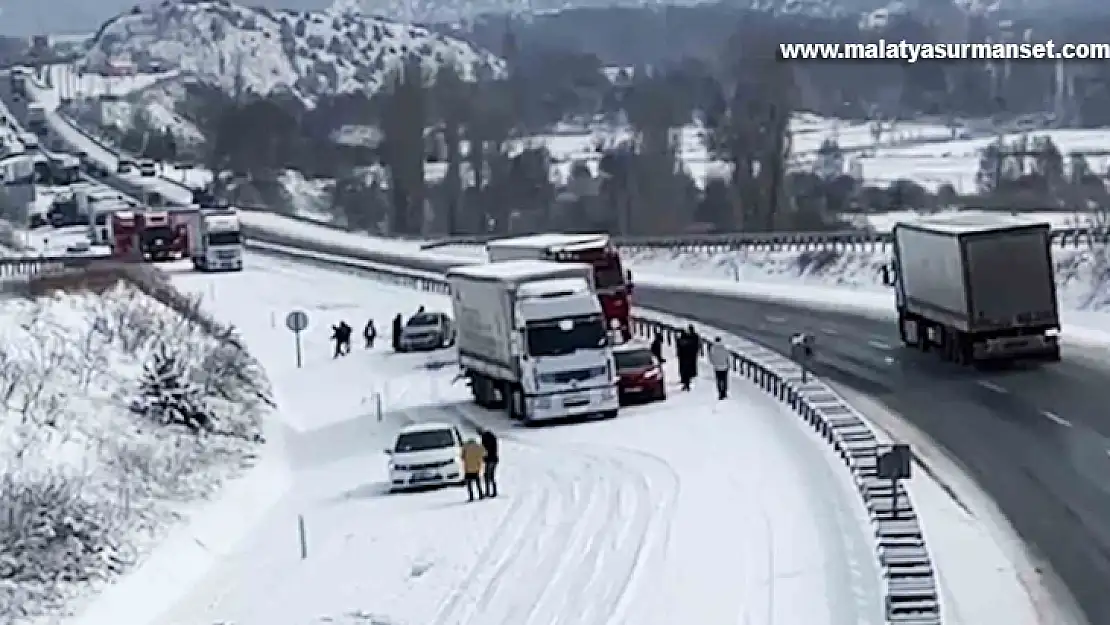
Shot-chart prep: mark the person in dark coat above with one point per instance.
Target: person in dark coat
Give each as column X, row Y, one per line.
column 369, row 333
column 337, row 337
column 345, row 332
column 489, row 473
column 398, row 326
column 688, row 348
column 657, row 347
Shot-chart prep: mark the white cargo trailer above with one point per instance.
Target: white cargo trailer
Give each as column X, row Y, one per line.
column 532, row 338
column 977, row 287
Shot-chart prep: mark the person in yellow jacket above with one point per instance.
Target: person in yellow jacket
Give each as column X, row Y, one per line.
column 473, row 455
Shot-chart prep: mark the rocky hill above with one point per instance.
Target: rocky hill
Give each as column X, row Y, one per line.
column 243, row 49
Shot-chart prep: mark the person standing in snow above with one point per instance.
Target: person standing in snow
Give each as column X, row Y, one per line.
column 688, row 347
column 337, row 337
column 657, row 347
column 398, row 326
column 489, row 473
column 345, row 336
column 472, row 456
column 369, row 333
column 720, row 359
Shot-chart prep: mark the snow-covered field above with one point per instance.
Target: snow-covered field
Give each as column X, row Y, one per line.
column 92, row 473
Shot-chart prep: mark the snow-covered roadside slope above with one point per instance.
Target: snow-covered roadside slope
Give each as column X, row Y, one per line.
column 92, row 474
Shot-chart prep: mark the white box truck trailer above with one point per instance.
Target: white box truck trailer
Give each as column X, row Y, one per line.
column 977, row 287
column 532, row 338
column 217, row 244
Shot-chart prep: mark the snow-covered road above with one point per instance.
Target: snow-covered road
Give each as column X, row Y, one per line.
column 690, row 510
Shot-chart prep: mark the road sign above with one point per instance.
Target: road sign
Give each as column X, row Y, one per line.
column 296, row 320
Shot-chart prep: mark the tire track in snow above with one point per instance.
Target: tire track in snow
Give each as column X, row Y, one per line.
column 610, row 528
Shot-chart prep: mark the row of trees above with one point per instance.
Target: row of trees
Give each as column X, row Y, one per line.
column 453, row 156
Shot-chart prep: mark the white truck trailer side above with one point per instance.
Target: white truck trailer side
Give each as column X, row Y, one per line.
column 532, row 338
column 977, row 288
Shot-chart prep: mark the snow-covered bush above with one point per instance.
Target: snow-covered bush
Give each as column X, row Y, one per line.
column 90, row 473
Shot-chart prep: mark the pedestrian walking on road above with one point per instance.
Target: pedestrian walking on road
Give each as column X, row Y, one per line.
column 489, row 472
column 472, row 457
column 337, row 337
column 720, row 359
column 687, row 348
column 369, row 333
column 398, row 326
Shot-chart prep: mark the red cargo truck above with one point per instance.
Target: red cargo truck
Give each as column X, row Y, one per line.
column 613, row 283
column 159, row 238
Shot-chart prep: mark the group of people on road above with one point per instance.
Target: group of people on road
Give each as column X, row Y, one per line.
column 341, row 334
column 480, row 458
column 688, row 348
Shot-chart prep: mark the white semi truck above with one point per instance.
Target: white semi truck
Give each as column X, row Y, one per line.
column 977, row 288
column 217, row 243
column 532, row 338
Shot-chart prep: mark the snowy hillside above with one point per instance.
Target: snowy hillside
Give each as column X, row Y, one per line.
column 258, row 50
column 91, row 473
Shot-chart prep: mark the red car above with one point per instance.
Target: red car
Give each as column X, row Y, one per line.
column 640, row 373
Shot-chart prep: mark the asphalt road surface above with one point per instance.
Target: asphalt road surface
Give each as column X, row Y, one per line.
column 1037, row 438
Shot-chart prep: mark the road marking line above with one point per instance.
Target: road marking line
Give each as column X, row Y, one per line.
column 877, row 344
column 829, row 331
column 1056, row 418
column 992, row 386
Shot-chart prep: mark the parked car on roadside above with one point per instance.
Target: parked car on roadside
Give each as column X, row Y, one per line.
column 427, row 331
column 640, row 374
column 425, row 454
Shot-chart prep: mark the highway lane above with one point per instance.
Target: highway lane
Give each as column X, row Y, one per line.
column 1034, row 438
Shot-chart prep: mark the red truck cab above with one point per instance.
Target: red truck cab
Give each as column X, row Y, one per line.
column 124, row 229
column 613, row 283
column 158, row 236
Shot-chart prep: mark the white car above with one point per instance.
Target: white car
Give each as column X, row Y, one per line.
column 426, row 454
column 148, row 168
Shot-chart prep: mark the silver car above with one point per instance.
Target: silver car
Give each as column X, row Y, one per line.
column 427, row 331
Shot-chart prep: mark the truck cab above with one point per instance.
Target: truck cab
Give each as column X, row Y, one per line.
column 124, row 234
column 611, row 281
column 217, row 244
column 157, row 236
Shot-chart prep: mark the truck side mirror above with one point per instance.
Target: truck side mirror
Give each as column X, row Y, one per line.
column 628, row 279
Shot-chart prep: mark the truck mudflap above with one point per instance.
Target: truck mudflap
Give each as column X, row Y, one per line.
column 1045, row 347
column 599, row 400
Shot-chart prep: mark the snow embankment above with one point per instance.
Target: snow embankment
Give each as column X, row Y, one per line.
column 123, row 407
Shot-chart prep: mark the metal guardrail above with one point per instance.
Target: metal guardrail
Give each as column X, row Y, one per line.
column 30, row 266
column 911, row 591
column 849, row 240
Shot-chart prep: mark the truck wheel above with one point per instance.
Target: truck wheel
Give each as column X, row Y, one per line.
column 909, row 330
column 514, row 403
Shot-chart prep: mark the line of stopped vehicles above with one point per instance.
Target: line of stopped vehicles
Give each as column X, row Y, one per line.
column 206, row 233
column 543, row 329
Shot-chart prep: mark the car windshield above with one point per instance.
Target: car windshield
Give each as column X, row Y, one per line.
column 634, row 359
column 565, row 336
column 424, row 320
column 422, row 441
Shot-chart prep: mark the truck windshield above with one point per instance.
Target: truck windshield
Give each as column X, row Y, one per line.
column 550, row 338
column 608, row 275
column 224, row 238
column 163, row 233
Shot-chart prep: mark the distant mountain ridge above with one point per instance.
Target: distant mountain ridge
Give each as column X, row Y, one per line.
column 241, row 49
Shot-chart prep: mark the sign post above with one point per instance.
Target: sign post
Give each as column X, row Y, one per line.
column 297, row 321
